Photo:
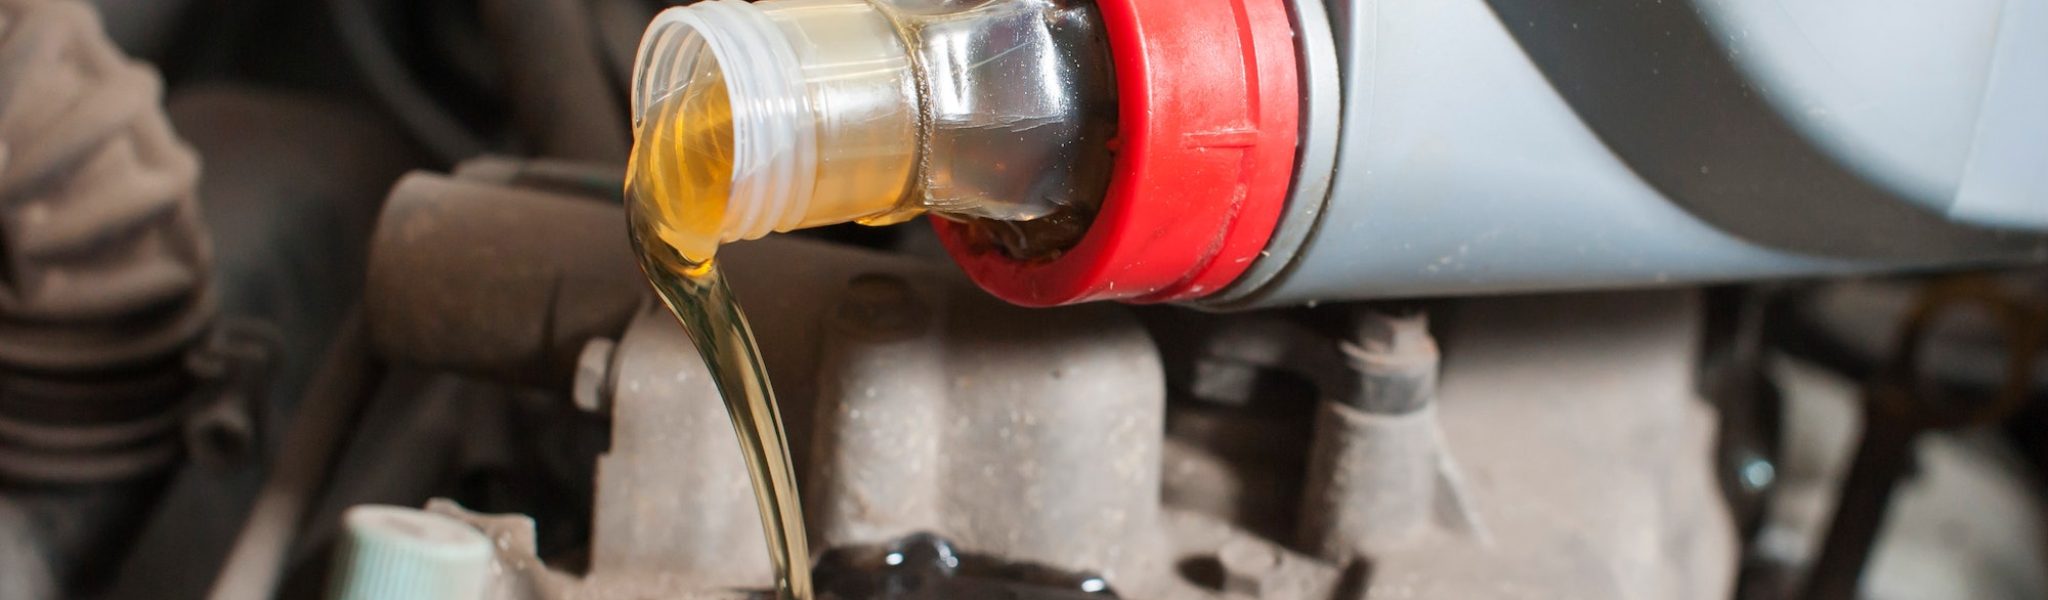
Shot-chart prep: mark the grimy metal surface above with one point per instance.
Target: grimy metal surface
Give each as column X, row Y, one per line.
column 1378, row 483
column 1043, row 446
column 497, row 281
column 929, row 408
column 1031, row 435
column 1379, row 476
column 1585, row 453
column 1584, row 449
column 916, row 404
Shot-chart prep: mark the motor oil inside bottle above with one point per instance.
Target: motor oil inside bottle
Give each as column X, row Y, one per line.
column 676, row 186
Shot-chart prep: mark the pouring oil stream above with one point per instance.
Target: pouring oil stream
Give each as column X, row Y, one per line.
column 676, row 186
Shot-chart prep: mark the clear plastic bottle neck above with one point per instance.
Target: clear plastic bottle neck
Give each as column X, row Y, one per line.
column 875, row 111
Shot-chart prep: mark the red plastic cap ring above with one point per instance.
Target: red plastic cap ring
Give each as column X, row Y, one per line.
column 1208, row 107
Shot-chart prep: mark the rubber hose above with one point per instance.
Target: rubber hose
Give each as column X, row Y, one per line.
column 104, row 260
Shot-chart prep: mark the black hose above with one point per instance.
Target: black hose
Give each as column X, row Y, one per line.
column 326, row 413
column 107, row 264
column 424, row 118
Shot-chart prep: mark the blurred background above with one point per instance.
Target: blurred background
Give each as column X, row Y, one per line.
column 269, row 260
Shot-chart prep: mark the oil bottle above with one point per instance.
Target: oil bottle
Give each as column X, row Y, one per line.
column 1245, row 153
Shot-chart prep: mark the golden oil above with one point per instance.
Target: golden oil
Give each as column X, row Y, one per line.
column 677, row 185
column 680, row 171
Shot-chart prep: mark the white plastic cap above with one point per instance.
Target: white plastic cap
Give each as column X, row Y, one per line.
column 398, row 553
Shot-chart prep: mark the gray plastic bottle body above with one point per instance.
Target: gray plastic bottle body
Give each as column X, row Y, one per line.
column 1525, row 145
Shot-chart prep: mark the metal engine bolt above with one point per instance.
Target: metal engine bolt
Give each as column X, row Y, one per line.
column 1247, row 565
column 592, row 387
column 1395, row 330
column 1396, row 360
column 233, row 367
column 222, row 434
